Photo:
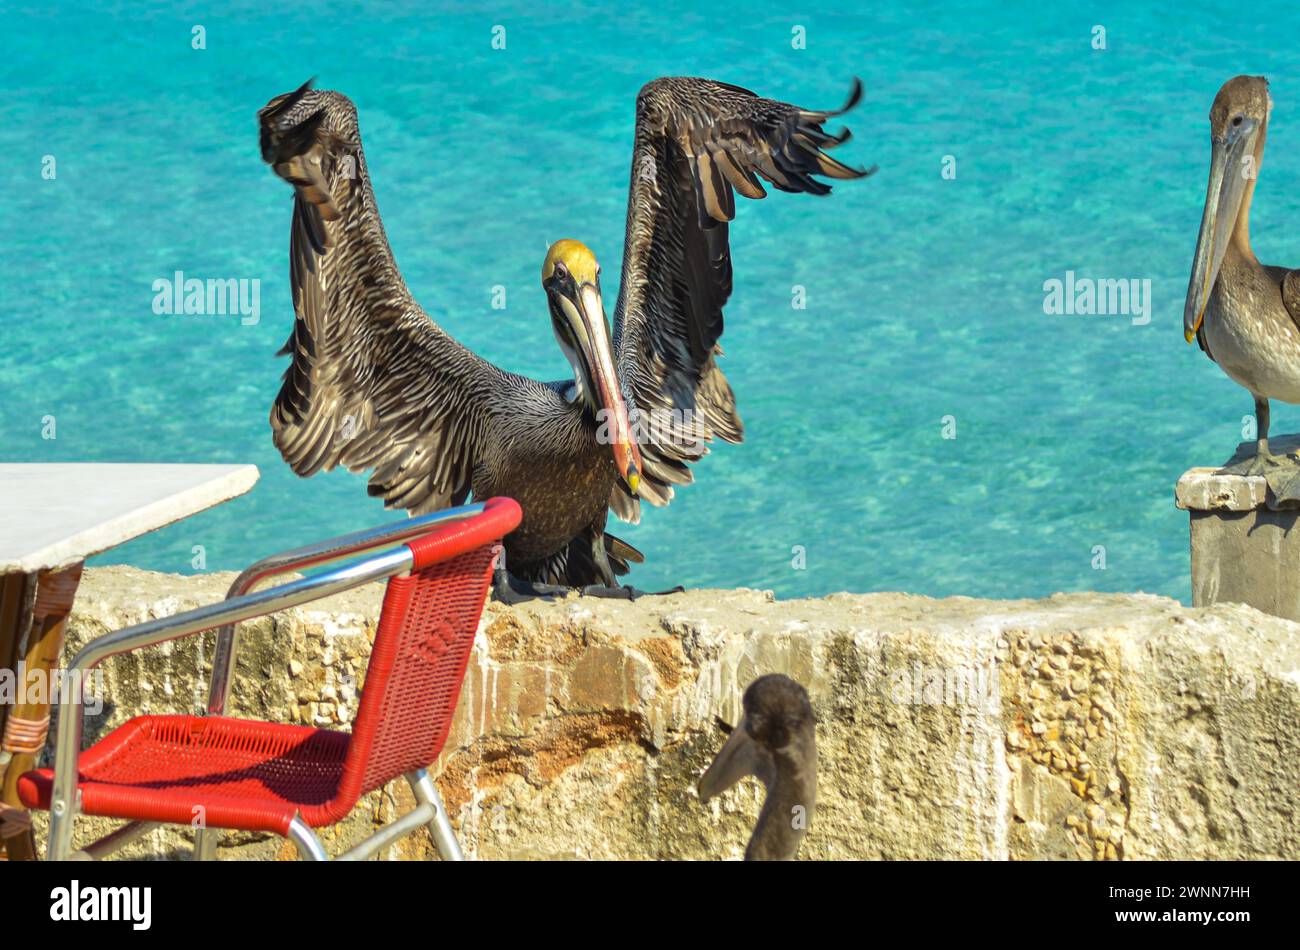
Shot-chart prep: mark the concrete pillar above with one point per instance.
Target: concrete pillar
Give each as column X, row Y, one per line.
column 1242, row 551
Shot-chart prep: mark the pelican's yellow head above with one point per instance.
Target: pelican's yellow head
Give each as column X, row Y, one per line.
column 575, row 257
column 571, row 278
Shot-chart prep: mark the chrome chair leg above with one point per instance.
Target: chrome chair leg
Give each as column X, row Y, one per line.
column 426, row 793
column 308, row 845
column 205, row 844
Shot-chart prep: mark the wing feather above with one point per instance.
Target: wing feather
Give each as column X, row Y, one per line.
column 697, row 143
column 1290, row 299
column 373, row 382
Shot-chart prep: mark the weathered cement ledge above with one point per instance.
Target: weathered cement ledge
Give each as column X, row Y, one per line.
column 1244, row 548
column 1079, row 726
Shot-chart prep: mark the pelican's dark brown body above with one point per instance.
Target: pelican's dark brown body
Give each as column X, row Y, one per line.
column 566, row 492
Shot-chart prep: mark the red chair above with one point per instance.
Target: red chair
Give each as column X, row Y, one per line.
column 217, row 772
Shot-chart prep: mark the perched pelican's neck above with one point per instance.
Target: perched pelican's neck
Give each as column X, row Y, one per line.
column 787, row 811
column 1239, row 244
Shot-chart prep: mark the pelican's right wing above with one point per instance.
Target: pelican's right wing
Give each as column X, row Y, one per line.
column 697, row 142
column 374, row 383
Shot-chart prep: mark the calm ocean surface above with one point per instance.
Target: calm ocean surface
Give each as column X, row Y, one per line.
column 924, row 294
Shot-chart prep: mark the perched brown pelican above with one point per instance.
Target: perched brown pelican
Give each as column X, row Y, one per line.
column 775, row 741
column 376, row 384
column 1245, row 315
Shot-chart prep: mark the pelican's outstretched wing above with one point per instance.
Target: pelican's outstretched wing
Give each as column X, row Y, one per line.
column 374, row 383
column 696, row 141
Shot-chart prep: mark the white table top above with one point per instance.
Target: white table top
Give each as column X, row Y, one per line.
column 54, row 515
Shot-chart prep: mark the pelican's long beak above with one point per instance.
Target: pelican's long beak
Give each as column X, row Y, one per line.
column 739, row 756
column 1229, row 177
column 583, row 313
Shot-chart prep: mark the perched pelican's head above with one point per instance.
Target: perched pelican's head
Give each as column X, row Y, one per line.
column 1238, row 120
column 778, row 720
column 776, row 734
column 571, row 278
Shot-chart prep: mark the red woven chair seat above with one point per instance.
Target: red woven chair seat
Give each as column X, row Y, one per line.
column 241, row 773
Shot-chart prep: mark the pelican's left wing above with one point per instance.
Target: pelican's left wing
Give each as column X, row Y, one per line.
column 696, row 141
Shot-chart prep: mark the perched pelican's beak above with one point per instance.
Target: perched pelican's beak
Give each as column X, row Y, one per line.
column 1230, row 175
column 740, row 756
column 572, row 279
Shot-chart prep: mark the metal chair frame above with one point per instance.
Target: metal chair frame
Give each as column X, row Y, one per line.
column 386, row 557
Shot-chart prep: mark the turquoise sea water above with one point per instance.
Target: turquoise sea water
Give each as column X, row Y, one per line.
column 924, row 294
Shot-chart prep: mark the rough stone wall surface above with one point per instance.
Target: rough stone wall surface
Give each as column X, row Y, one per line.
column 1090, row 726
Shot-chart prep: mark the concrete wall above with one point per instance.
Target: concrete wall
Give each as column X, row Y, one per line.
column 1081, row 726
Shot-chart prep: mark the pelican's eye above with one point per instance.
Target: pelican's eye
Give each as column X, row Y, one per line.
column 1237, row 120
column 561, row 272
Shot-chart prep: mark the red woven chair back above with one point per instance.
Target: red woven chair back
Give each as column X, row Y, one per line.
column 426, row 631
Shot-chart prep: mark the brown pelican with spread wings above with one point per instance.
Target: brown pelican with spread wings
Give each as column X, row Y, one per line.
column 374, row 383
